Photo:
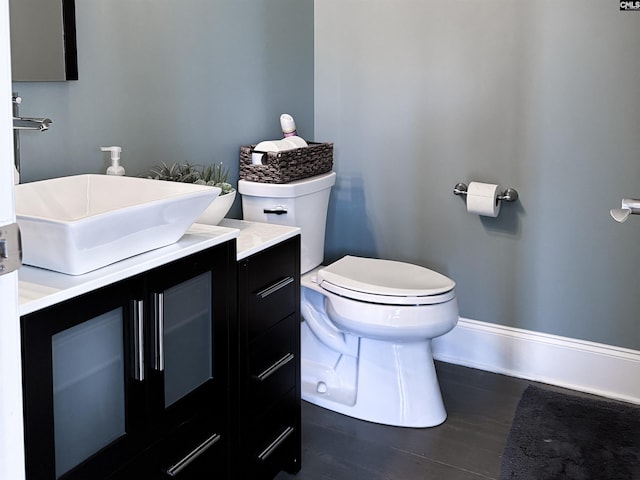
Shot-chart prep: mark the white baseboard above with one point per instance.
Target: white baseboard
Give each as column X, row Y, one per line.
column 596, row 368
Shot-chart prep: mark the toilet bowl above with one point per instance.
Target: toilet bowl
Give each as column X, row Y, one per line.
column 367, row 323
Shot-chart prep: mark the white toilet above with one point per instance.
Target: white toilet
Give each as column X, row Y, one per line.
column 368, row 323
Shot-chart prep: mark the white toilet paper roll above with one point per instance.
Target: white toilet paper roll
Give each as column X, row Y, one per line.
column 295, row 142
column 482, row 199
column 268, row 146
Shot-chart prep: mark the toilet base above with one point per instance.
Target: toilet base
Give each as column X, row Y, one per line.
column 387, row 383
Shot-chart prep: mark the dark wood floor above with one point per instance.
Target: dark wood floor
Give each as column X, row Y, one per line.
column 467, row 446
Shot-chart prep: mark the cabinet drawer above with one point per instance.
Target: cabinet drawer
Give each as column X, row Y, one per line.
column 271, row 303
column 193, row 451
column 274, row 438
column 272, row 364
column 271, row 264
column 273, row 287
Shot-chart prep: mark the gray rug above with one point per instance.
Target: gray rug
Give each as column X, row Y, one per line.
column 558, row 436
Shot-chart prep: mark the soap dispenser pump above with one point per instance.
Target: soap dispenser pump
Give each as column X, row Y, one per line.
column 115, row 168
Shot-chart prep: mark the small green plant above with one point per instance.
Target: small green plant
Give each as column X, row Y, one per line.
column 216, row 175
column 213, row 175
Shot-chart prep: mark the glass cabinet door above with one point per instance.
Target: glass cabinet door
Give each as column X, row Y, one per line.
column 80, row 397
column 188, row 341
column 189, row 322
column 88, row 388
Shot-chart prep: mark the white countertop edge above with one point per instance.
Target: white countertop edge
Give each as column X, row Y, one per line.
column 39, row 288
column 255, row 237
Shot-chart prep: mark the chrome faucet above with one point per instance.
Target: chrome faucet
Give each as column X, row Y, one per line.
column 24, row 123
column 28, row 123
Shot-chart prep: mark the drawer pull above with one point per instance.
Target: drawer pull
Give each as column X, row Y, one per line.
column 275, row 367
column 193, row 455
column 275, row 287
column 158, row 332
column 275, row 444
column 138, row 340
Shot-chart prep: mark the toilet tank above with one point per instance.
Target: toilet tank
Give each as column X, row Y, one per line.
column 302, row 203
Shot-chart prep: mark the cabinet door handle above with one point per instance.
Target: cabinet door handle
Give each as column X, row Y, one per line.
column 275, row 444
column 275, row 367
column 193, row 455
column 158, row 332
column 138, row 339
column 275, row 287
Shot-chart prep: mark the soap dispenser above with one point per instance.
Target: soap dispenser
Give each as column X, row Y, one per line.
column 115, row 168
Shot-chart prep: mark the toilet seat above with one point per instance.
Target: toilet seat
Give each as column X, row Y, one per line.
column 385, row 282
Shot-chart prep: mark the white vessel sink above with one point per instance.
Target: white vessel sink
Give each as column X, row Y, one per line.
column 80, row 223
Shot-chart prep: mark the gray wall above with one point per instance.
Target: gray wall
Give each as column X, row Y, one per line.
column 542, row 96
column 417, row 95
column 173, row 81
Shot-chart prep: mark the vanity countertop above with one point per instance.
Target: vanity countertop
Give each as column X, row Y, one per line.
column 39, row 288
column 255, row 236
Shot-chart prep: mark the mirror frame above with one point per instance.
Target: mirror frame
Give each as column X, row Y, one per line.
column 66, row 68
column 70, row 39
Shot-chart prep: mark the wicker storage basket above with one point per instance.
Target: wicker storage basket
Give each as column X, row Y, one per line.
column 288, row 165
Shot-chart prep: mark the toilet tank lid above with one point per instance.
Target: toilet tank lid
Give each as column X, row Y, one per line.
column 385, row 277
column 287, row 190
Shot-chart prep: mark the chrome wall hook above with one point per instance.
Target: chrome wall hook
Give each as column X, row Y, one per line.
column 508, row 195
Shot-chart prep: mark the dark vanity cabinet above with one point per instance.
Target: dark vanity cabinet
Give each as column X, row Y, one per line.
column 131, row 380
column 266, row 352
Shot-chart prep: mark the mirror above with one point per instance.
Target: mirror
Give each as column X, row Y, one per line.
column 43, row 40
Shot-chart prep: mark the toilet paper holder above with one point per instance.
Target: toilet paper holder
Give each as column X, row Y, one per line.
column 509, row 195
